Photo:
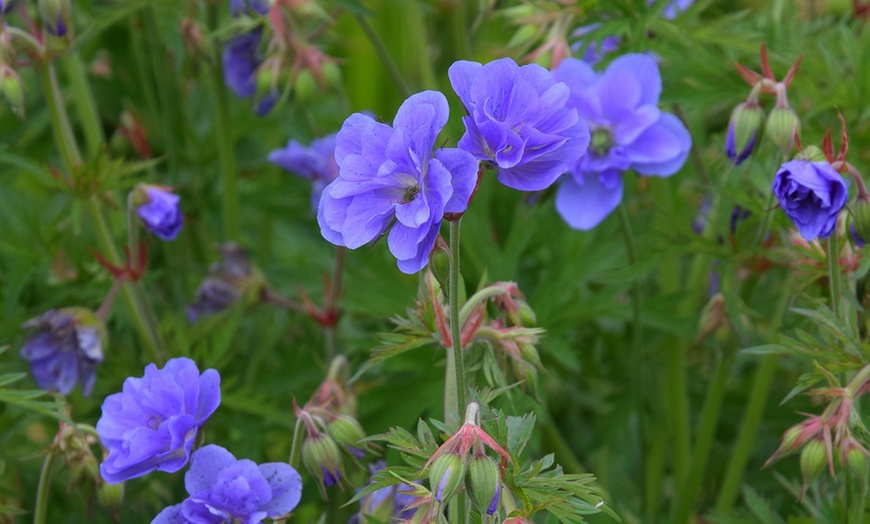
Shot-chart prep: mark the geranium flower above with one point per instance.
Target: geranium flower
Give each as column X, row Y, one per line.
column 519, row 121
column 812, row 195
column 64, row 349
column 628, row 132
column 160, row 211
column 224, row 490
column 387, row 176
column 152, row 423
column 241, row 60
column 315, row 162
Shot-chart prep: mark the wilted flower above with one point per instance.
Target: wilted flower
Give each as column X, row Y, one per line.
column 518, row 120
column 223, row 489
column 231, row 279
column 315, row 162
column 387, row 176
column 64, row 349
column 628, row 132
column 152, row 423
column 238, row 7
column 241, row 60
column 160, row 211
column 812, row 195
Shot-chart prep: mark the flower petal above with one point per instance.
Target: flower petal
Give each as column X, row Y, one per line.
column 585, row 204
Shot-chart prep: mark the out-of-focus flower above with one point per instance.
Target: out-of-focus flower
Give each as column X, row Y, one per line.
column 315, row 162
column 64, row 349
column 594, row 50
column 11, row 88
column 223, row 489
column 518, row 120
column 628, row 132
column 7, row 5
column 55, row 15
column 159, row 210
column 387, row 503
column 152, row 423
column 250, row 7
column 241, row 60
column 674, row 7
column 387, row 175
column 812, row 195
column 231, row 279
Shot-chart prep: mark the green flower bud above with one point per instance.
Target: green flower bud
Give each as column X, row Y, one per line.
column 483, row 483
column 526, row 314
column 529, row 353
column 856, row 460
column 446, row 475
column 812, row 154
column 743, row 130
column 439, row 263
column 304, row 86
column 10, row 85
column 813, row 459
column 321, row 456
column 110, row 496
column 861, row 217
column 55, row 15
column 331, row 73
column 782, row 125
column 347, row 432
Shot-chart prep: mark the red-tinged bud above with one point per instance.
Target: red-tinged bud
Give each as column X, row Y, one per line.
column 782, row 126
column 197, row 46
column 743, row 130
column 446, row 475
column 483, row 483
column 517, row 520
column 813, row 459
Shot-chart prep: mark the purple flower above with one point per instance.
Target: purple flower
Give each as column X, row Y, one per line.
column 229, row 280
column 628, row 132
column 386, row 504
column 315, row 162
column 737, row 157
column 387, row 176
column 223, row 489
column 160, row 213
column 812, row 195
column 518, row 120
column 595, row 50
column 64, row 349
column 241, row 60
column 674, row 7
column 238, row 7
column 152, row 424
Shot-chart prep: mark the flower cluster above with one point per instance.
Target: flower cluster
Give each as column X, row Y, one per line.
column 387, row 175
column 629, row 131
column 153, row 422
column 224, row 489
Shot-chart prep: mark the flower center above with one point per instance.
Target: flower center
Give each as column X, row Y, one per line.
column 154, row 422
column 601, row 141
column 410, row 194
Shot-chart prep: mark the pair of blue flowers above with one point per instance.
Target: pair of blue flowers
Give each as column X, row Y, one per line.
column 531, row 125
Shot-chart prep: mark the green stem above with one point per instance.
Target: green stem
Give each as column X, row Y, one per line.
column 688, row 493
column 384, row 55
column 296, row 446
column 72, row 159
column 169, row 108
column 225, row 142
column 40, row 512
column 86, row 107
column 637, row 330
column 834, row 271
column 456, row 350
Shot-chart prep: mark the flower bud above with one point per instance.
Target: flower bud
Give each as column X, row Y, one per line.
column 439, row 263
column 782, row 125
column 55, row 16
column 811, row 154
column 529, row 353
column 321, row 456
column 483, row 483
column 10, row 85
column 813, row 459
column 304, row 86
column 347, row 432
column 110, row 496
column 331, row 73
column 861, row 217
column 197, row 46
column 856, row 460
column 743, row 129
column 526, row 314
column 446, row 475
column 159, row 210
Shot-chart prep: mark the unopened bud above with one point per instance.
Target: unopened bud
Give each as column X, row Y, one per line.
column 10, row 85
column 483, row 483
column 811, row 154
column 743, row 129
column 856, row 460
column 197, row 46
column 861, row 217
column 321, row 456
column 55, row 16
column 439, row 263
column 304, row 86
column 813, row 459
column 347, row 432
column 331, row 73
column 782, row 125
column 446, row 475
column 110, row 496
column 526, row 314
column 529, row 353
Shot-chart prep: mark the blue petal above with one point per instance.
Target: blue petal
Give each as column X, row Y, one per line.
column 584, row 205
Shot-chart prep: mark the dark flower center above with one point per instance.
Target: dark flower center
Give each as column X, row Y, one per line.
column 410, row 194
column 601, row 141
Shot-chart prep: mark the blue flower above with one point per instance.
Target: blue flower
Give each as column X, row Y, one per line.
column 812, row 195
column 160, row 212
column 224, row 490
column 387, row 176
column 64, row 349
column 385, row 504
column 152, row 423
column 518, row 120
column 674, row 7
column 241, row 60
column 628, row 132
column 238, row 7
column 315, row 162
column 595, row 50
